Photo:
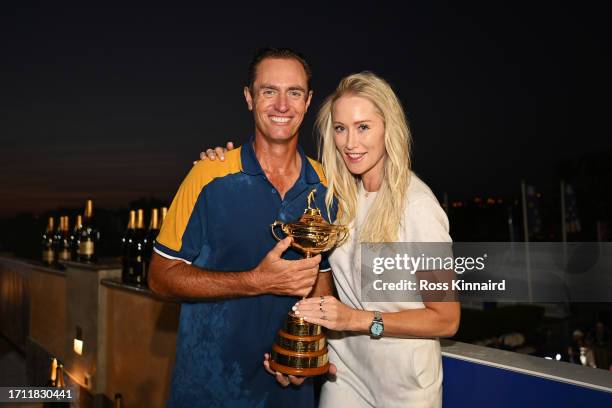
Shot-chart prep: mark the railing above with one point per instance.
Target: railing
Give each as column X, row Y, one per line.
column 476, row 376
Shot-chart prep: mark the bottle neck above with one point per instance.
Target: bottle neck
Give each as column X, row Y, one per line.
column 79, row 222
column 50, row 224
column 140, row 219
column 63, row 224
column 132, row 222
column 154, row 219
column 88, row 215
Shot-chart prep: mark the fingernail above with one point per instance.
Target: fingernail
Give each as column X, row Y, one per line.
column 297, row 312
column 222, row 157
column 294, row 308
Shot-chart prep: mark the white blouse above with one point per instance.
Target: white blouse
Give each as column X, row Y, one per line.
column 390, row 371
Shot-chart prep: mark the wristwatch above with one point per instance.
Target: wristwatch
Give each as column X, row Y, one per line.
column 377, row 327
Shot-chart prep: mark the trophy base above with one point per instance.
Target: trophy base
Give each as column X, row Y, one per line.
column 299, row 348
column 302, row 372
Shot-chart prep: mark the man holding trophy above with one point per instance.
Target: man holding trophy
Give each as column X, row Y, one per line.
column 216, row 251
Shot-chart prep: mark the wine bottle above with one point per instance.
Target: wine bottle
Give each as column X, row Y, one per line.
column 127, row 243
column 48, row 254
column 56, row 240
column 164, row 212
column 75, row 237
column 138, row 256
column 150, row 239
column 89, row 237
column 63, row 240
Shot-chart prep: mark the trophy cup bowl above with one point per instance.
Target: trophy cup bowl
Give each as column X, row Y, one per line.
column 300, row 348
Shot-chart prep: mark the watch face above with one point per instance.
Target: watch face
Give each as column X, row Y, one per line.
column 376, row 329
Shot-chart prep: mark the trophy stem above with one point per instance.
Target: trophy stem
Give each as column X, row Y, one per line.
column 308, row 255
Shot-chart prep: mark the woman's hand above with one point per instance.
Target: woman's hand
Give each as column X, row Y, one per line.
column 218, row 151
column 327, row 311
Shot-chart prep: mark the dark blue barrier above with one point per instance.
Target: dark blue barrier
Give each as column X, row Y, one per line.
column 472, row 385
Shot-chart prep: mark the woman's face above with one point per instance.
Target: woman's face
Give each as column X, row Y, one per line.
column 359, row 133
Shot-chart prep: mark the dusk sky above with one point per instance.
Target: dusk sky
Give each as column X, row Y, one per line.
column 114, row 102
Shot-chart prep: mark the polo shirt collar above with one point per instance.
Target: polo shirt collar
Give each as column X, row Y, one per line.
column 251, row 166
column 249, row 162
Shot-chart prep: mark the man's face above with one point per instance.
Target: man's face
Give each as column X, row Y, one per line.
column 280, row 98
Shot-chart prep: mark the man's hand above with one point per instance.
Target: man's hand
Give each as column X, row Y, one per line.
column 285, row 380
column 218, row 151
column 279, row 276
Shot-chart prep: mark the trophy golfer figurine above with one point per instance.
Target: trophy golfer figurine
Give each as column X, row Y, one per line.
column 300, row 348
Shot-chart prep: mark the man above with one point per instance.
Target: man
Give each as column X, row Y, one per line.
column 215, row 250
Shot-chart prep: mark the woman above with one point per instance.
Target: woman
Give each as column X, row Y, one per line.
column 365, row 153
column 386, row 354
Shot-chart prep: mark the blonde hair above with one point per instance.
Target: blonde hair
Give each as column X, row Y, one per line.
column 386, row 213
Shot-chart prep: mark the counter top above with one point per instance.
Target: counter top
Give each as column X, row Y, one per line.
column 137, row 289
column 104, row 264
column 31, row 265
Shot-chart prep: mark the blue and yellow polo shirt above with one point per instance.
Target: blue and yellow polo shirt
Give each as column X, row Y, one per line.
column 220, row 220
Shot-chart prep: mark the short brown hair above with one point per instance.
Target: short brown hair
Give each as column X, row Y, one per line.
column 280, row 53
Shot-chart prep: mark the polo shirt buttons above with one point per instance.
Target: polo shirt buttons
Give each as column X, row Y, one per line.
column 273, row 191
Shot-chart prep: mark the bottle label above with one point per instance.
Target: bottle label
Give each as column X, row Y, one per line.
column 64, row 255
column 47, row 255
column 86, row 248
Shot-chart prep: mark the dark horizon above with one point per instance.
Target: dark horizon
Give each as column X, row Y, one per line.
column 114, row 103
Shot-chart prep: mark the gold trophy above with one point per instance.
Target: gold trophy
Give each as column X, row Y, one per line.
column 300, row 348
